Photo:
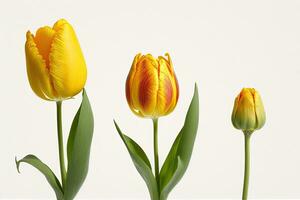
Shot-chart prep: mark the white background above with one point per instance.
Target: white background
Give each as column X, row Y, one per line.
column 221, row 45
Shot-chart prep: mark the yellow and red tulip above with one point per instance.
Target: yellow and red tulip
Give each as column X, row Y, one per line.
column 248, row 115
column 151, row 87
column 248, row 112
column 152, row 91
column 56, row 67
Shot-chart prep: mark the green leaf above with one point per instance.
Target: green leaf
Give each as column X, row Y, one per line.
column 46, row 171
column 179, row 156
column 141, row 162
column 78, row 148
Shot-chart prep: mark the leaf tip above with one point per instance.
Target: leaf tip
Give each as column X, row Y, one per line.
column 115, row 123
column 17, row 164
column 196, row 87
column 118, row 128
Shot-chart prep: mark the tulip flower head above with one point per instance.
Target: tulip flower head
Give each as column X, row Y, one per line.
column 248, row 112
column 151, row 87
column 56, row 67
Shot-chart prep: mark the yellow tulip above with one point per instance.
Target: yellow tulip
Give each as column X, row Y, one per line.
column 151, row 87
column 248, row 112
column 55, row 64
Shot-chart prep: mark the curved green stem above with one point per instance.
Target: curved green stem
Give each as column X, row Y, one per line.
column 155, row 146
column 61, row 144
column 247, row 135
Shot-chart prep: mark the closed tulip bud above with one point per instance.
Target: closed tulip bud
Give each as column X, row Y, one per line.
column 248, row 112
column 151, row 87
column 55, row 64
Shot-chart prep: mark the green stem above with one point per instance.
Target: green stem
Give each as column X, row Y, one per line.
column 155, row 146
column 247, row 135
column 60, row 144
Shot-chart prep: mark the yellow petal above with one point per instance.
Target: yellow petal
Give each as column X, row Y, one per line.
column 129, row 82
column 174, row 82
column 66, row 62
column 144, row 89
column 259, row 110
column 236, row 103
column 245, row 114
column 43, row 40
column 166, row 95
column 37, row 71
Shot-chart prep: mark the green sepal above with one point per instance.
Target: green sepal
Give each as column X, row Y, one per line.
column 78, row 148
column 180, row 153
column 141, row 162
column 46, row 171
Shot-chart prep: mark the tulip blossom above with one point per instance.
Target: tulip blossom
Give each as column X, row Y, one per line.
column 248, row 112
column 56, row 67
column 151, row 87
